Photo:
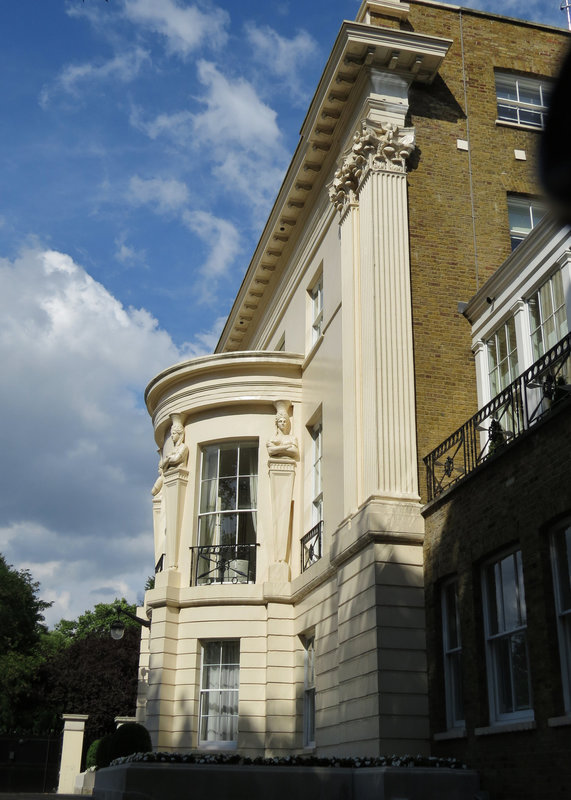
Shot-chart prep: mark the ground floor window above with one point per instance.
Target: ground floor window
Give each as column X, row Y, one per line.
column 309, row 693
column 452, row 644
column 561, row 561
column 220, row 674
column 506, row 638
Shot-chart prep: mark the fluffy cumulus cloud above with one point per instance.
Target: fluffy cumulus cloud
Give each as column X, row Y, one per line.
column 76, row 78
column 164, row 194
column 242, row 137
column 183, row 27
column 77, row 443
column 283, row 58
column 223, row 242
column 234, row 114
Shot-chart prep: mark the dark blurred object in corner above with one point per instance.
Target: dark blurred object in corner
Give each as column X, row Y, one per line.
column 555, row 147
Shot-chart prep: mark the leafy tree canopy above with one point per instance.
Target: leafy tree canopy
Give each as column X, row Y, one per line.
column 21, row 610
column 96, row 622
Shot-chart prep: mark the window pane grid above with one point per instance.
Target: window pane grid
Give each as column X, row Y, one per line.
column 506, row 637
column 547, row 315
column 228, row 495
column 522, row 100
column 524, row 214
column 452, row 655
column 317, row 309
column 561, row 563
column 503, row 363
column 309, row 693
column 218, row 715
column 317, row 502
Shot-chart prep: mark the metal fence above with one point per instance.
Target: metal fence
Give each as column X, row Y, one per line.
column 311, row 546
column 542, row 387
column 233, row 563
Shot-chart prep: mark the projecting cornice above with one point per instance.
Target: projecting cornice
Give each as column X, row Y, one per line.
column 359, row 51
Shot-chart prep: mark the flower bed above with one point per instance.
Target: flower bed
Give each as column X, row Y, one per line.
column 292, row 761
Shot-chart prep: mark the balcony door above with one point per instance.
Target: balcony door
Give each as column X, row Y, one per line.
column 227, row 518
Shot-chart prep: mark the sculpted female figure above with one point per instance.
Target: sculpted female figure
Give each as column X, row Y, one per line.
column 283, row 443
column 178, row 456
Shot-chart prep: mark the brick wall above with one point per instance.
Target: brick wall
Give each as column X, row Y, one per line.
column 444, row 268
column 514, row 497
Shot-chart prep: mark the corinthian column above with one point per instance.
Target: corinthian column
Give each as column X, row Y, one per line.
column 370, row 192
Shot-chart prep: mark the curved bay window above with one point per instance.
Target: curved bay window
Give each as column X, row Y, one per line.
column 226, row 551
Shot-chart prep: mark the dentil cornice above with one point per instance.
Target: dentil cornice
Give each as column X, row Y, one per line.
column 374, row 149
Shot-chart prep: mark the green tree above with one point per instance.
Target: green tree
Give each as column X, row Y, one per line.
column 23, row 645
column 95, row 675
column 96, row 622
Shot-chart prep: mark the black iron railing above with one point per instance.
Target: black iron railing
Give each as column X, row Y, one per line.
column 311, row 546
column 233, row 563
column 515, row 409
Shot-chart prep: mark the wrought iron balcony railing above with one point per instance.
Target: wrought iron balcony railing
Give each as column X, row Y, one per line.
column 233, row 563
column 311, row 546
column 515, row 409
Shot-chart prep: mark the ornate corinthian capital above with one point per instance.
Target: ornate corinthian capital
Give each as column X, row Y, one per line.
column 373, row 149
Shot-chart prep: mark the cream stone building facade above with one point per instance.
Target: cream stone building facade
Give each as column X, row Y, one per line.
column 288, row 608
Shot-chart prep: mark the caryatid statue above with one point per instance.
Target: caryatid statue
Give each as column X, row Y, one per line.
column 178, row 456
column 283, row 451
column 169, row 493
column 283, row 443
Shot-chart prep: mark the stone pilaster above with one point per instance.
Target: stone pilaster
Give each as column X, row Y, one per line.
column 174, row 493
column 282, row 477
column 375, row 258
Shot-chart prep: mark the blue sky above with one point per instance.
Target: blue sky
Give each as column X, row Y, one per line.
column 142, row 143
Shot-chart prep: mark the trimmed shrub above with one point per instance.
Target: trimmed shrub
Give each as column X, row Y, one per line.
column 91, row 755
column 129, row 738
column 103, row 751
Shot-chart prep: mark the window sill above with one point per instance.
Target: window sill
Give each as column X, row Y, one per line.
column 504, row 123
column 453, row 733
column 506, row 727
column 559, row 722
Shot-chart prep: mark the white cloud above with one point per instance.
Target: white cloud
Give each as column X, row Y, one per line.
column 178, row 126
column 205, row 341
column 282, row 57
column 126, row 254
column 165, row 194
column 223, row 241
column 234, row 114
column 73, row 78
column 79, row 456
column 185, row 27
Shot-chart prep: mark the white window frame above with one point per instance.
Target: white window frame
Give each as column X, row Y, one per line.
column 557, row 316
column 219, row 744
column 316, row 308
column 560, row 545
column 503, row 357
column 317, row 472
column 530, row 207
column 499, row 633
column 309, row 691
column 452, row 651
column 514, row 103
column 219, row 513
